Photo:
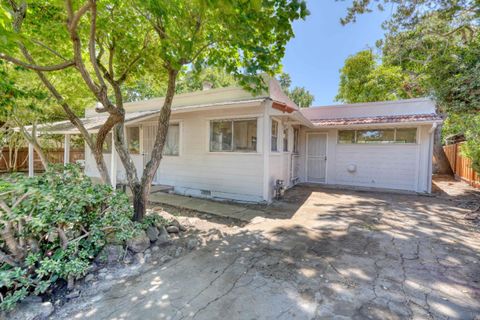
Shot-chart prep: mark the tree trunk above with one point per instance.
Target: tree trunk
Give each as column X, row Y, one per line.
column 440, row 161
column 140, row 201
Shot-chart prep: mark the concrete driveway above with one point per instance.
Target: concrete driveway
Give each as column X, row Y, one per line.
column 333, row 255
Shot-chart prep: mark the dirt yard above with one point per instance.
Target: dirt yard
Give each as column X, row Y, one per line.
column 319, row 254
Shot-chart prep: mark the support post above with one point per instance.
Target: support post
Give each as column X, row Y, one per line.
column 66, row 150
column 266, row 148
column 31, row 156
column 113, row 164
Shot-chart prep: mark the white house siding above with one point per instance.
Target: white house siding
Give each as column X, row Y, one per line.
column 199, row 172
column 380, row 166
column 92, row 171
column 403, row 167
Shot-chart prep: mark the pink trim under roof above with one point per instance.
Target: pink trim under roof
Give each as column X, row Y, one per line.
column 376, row 120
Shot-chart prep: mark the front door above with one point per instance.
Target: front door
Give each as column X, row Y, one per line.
column 316, row 157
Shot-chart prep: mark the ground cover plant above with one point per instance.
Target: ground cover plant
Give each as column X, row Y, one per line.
column 53, row 226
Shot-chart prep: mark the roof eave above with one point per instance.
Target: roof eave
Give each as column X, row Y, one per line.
column 380, row 124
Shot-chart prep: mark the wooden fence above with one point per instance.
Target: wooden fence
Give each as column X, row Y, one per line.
column 461, row 166
column 8, row 163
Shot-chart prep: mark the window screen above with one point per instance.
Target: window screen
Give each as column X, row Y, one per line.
column 172, row 142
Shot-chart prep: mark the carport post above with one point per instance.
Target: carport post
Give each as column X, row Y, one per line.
column 31, row 154
column 66, row 150
column 113, row 165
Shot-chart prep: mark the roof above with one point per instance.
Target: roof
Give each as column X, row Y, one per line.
column 372, row 113
column 91, row 123
column 377, row 120
column 208, row 98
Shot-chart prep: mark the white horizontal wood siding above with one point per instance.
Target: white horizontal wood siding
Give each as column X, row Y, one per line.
column 199, row 172
column 379, row 166
column 390, row 166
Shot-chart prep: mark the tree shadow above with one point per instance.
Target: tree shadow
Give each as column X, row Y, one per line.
column 343, row 253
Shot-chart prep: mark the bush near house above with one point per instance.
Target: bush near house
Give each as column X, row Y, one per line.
column 52, row 227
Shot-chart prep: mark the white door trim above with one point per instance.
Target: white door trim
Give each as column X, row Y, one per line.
column 306, row 156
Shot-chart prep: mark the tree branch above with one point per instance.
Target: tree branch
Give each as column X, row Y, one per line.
column 53, row 51
column 55, row 67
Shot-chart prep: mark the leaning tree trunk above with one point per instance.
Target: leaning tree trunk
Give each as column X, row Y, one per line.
column 441, row 164
column 141, row 188
column 32, row 139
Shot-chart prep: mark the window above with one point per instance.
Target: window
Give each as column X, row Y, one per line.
column 274, row 135
column 172, row 142
column 346, row 136
column 107, row 143
column 233, row 135
column 296, row 136
column 133, row 139
column 407, row 135
column 285, row 139
column 378, row 136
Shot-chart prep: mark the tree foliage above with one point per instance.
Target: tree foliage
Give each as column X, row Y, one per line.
column 52, row 226
column 301, row 96
column 111, row 47
column 436, row 45
column 362, row 79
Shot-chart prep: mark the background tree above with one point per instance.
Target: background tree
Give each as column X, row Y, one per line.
column 194, row 79
column 301, row 96
column 362, row 79
column 429, row 41
column 130, row 39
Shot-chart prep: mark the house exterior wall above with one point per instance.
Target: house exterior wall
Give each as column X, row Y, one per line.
column 387, row 166
column 198, row 172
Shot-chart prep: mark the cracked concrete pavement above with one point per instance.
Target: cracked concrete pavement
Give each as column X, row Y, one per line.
column 335, row 254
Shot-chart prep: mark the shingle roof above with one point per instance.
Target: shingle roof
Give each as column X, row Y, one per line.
column 376, row 120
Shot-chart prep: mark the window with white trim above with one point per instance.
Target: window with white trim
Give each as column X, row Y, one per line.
column 296, row 137
column 233, row 135
column 285, row 139
column 133, row 139
column 378, row 136
column 172, row 141
column 274, row 135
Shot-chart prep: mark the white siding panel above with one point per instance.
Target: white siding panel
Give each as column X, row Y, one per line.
column 381, row 166
column 223, row 174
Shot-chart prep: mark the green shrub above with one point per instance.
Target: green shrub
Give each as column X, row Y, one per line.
column 53, row 225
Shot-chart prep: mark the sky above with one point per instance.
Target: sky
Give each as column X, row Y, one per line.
column 321, row 45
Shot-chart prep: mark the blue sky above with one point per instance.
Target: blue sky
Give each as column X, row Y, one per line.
column 321, row 45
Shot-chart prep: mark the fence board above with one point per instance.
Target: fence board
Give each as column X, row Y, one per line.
column 461, row 166
column 54, row 156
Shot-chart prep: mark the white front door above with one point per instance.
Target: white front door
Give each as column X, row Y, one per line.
column 316, row 157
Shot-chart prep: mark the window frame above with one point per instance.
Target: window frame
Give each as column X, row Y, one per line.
column 296, row 141
column 179, row 124
column 274, row 137
column 232, row 126
column 140, row 151
column 394, row 142
column 285, row 139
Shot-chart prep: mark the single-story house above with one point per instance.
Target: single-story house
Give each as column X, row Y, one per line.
column 228, row 144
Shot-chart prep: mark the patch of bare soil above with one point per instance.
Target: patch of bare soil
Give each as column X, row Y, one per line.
column 201, row 229
column 460, row 194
